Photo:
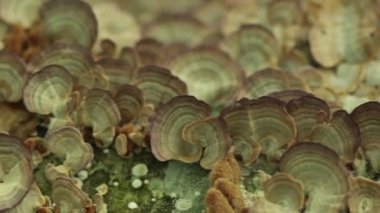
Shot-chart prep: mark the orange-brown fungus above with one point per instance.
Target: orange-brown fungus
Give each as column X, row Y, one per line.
column 25, row 42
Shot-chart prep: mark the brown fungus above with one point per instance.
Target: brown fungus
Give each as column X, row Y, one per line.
column 129, row 55
column 225, row 194
column 231, row 192
column 158, row 85
column 122, row 145
column 107, row 49
column 167, row 126
column 289, row 95
column 149, row 51
column 228, row 168
column 340, row 134
column 75, row 59
column 118, row 72
column 4, row 30
column 294, row 60
column 210, row 133
column 217, row 202
column 16, row 120
column 267, row 81
column 307, row 112
column 259, row 126
column 129, row 99
column 284, row 190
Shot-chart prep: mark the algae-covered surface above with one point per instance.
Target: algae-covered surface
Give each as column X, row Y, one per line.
column 165, row 186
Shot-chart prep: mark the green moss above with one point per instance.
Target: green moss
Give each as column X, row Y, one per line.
column 165, row 204
column 370, row 173
column 119, row 197
column 188, row 181
column 249, row 184
column 110, row 168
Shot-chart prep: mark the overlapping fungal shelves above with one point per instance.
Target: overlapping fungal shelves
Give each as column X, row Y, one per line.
column 217, row 106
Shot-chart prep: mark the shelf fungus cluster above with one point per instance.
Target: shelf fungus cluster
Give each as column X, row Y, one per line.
column 264, row 105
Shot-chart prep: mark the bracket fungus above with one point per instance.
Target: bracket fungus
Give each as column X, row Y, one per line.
column 130, row 101
column 254, row 47
column 364, row 195
column 67, row 142
column 167, row 128
column 17, row 121
column 210, row 133
column 367, row 117
column 118, row 72
column 259, row 126
column 48, row 92
column 15, row 171
column 307, row 112
column 284, row 190
column 210, row 75
column 33, row 201
column 69, row 197
column 264, row 82
column 129, row 55
column 100, row 112
column 158, row 85
column 70, row 21
column 149, row 51
column 289, row 95
column 322, row 174
column 341, row 134
column 122, row 145
column 75, row 59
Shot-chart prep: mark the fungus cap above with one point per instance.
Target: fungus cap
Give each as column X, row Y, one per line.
column 48, row 91
column 167, row 126
column 322, row 174
column 12, row 77
column 69, row 22
column 15, row 171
